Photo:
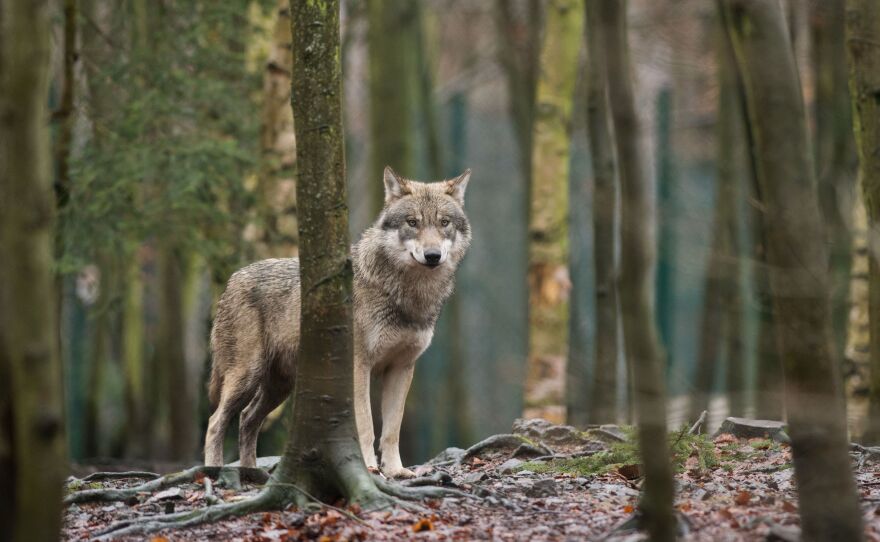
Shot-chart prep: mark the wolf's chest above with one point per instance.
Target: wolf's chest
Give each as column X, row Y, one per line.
column 385, row 345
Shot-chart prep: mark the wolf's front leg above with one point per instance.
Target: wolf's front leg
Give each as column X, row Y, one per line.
column 395, row 386
column 363, row 415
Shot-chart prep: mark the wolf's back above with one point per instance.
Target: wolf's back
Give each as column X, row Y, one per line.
column 257, row 319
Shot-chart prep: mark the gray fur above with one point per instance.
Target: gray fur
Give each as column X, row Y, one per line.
column 397, row 300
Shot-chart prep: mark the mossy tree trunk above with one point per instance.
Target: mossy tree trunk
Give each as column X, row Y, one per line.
column 276, row 188
column 32, row 448
column 863, row 36
column 322, row 455
column 798, row 265
column 834, row 151
column 392, row 47
column 548, row 275
column 603, row 397
column 636, row 280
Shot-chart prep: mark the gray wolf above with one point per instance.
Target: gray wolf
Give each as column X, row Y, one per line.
column 404, row 269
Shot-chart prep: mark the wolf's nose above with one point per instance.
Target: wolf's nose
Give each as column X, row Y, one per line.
column 432, row 256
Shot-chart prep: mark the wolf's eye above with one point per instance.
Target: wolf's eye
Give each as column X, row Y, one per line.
column 444, row 222
column 412, row 222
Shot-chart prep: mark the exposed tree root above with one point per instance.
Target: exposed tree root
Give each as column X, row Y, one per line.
column 496, row 442
column 696, row 429
column 257, row 476
column 275, row 496
column 95, row 476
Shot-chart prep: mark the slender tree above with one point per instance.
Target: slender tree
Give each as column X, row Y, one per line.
column 636, row 276
column 834, row 150
column 863, row 33
column 548, row 275
column 32, row 452
column 603, row 396
column 720, row 327
column 392, row 46
column 797, row 260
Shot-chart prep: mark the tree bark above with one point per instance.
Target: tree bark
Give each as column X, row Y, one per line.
column 29, row 356
column 863, row 36
column 636, row 281
column 720, row 326
column 834, row 150
column 322, row 455
column 797, row 260
column 277, row 185
column 603, row 397
column 392, row 82
column 548, row 275
column 133, row 324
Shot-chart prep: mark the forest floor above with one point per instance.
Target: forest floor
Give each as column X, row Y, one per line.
column 729, row 487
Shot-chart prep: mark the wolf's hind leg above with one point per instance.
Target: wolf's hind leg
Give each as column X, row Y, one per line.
column 395, row 386
column 234, row 396
column 265, row 401
column 363, row 415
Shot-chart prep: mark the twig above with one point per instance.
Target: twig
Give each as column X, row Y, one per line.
column 210, row 498
column 696, row 428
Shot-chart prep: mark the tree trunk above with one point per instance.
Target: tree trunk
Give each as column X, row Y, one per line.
column 322, row 455
column 863, row 35
column 29, row 356
column 170, row 355
column 797, row 258
column 834, row 152
column 603, row 397
column 664, row 312
column 636, row 276
column 519, row 58
column 391, row 47
column 720, row 327
column 277, row 185
column 133, row 324
column 548, row 276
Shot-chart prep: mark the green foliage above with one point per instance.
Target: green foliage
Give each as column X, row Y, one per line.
column 174, row 132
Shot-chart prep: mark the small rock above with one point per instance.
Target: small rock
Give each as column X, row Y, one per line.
column 509, row 466
column 525, row 472
column 170, row 494
column 542, row 488
column 544, row 431
column 608, row 433
column 474, row 477
column 747, row 428
column 267, row 463
column 528, row 451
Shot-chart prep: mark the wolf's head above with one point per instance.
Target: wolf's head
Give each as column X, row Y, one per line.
column 423, row 224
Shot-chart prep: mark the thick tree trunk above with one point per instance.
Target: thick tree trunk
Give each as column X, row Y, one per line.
column 133, row 369
column 603, row 397
column 797, row 258
column 863, row 36
column 322, row 455
column 834, row 150
column 548, row 276
column 391, row 46
column 636, row 276
column 29, row 356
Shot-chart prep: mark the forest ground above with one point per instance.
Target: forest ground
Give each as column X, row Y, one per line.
column 728, row 488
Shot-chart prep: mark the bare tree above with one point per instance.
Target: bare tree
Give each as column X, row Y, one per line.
column 548, row 275
column 798, row 266
column 32, row 446
column 636, row 280
column 863, row 33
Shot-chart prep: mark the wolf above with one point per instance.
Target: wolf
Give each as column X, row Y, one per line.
column 404, row 270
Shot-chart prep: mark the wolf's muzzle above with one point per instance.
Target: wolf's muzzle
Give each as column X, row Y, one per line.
column 432, row 257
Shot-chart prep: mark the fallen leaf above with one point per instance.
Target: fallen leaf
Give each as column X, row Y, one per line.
column 199, row 477
column 725, row 438
column 628, row 509
column 742, row 498
column 789, row 507
column 423, row 524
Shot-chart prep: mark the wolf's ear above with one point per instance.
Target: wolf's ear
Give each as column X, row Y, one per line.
column 395, row 185
column 456, row 187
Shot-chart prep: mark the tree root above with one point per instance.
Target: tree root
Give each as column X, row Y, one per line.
column 499, row 442
column 95, row 476
column 275, row 496
column 257, row 476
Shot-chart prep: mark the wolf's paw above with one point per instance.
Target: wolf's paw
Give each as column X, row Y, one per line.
column 398, row 472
